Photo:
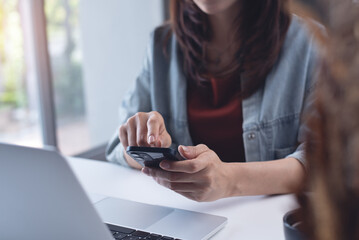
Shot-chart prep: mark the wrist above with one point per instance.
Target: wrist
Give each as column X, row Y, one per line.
column 233, row 175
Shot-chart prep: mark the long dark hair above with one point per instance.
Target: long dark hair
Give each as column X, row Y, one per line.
column 261, row 29
column 332, row 209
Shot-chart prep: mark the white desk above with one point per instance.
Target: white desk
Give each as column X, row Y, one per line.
column 249, row 218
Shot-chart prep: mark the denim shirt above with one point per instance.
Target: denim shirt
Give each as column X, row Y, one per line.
column 272, row 116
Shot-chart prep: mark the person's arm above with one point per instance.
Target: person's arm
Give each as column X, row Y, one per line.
column 269, row 177
column 204, row 177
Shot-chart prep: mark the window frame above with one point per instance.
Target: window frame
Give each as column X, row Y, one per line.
column 34, row 13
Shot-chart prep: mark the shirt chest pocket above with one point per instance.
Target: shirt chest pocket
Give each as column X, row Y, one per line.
column 283, row 137
column 270, row 141
column 280, row 153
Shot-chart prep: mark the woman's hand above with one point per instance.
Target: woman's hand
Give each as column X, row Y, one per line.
column 202, row 177
column 144, row 129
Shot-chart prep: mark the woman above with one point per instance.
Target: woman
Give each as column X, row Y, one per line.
column 232, row 78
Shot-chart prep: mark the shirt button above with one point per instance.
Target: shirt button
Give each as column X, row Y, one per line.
column 251, row 136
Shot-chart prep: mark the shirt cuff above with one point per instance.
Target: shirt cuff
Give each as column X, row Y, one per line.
column 299, row 154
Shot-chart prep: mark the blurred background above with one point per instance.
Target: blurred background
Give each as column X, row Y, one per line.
column 64, row 65
column 95, row 50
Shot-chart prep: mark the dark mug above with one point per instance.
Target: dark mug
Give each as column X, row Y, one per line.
column 292, row 225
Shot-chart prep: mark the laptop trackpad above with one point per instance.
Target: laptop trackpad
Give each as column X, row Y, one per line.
column 129, row 213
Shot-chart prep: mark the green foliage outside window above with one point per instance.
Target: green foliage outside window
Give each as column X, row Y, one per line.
column 62, row 27
column 12, row 84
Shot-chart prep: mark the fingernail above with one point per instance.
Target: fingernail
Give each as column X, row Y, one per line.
column 151, row 139
column 185, row 149
column 146, row 171
column 165, row 165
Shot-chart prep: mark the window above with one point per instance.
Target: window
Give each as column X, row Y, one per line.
column 19, row 110
column 66, row 64
column 95, row 51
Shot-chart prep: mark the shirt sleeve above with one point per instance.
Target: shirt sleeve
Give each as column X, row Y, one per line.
column 309, row 100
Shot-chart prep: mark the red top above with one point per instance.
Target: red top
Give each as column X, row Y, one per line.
column 215, row 118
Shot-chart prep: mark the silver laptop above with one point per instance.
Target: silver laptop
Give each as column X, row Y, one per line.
column 41, row 199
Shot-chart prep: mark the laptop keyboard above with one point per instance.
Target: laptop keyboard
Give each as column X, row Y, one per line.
column 122, row 233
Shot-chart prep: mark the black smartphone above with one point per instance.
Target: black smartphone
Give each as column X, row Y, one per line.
column 152, row 156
